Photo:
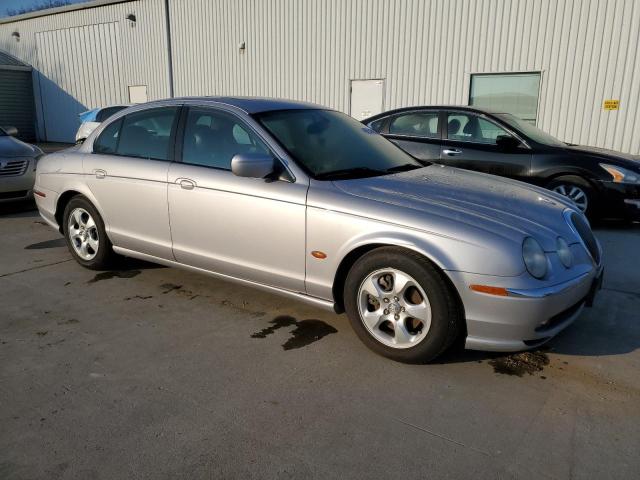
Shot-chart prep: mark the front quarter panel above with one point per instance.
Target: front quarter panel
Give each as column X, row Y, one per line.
column 338, row 224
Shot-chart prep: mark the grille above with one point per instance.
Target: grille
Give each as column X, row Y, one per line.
column 586, row 235
column 13, row 167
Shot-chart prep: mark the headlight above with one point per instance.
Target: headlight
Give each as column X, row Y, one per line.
column 621, row 175
column 534, row 257
column 564, row 252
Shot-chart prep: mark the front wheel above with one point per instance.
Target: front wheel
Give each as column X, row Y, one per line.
column 85, row 235
column 401, row 306
column 576, row 189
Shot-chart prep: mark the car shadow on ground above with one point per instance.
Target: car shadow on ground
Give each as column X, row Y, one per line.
column 23, row 208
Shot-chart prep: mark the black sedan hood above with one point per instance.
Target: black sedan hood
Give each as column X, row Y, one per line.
column 12, row 147
column 624, row 159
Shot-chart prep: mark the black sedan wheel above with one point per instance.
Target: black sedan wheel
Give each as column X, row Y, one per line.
column 576, row 189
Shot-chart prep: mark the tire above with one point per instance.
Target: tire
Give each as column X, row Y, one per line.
column 577, row 189
column 86, row 238
column 411, row 284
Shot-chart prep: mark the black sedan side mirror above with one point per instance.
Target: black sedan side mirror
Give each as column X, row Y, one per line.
column 252, row 165
column 13, row 131
column 507, row 142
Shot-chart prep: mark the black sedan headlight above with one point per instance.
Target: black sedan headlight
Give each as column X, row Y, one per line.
column 621, row 175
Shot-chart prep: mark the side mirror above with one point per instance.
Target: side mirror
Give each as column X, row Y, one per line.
column 13, row 131
column 252, row 165
column 507, row 142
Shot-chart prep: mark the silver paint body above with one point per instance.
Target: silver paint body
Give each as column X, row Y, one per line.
column 262, row 233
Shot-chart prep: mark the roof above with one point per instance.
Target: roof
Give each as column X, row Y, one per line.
column 7, row 60
column 469, row 108
column 257, row 104
column 63, row 9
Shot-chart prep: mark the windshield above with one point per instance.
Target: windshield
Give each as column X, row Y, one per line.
column 331, row 145
column 2, row 132
column 531, row 131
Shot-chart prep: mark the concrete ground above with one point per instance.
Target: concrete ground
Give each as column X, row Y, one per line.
column 151, row 372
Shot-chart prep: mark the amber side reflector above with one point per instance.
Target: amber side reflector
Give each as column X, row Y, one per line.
column 40, row 194
column 319, row 254
column 502, row 292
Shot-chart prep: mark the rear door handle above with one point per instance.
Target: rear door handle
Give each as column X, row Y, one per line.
column 186, row 183
column 451, row 151
column 99, row 173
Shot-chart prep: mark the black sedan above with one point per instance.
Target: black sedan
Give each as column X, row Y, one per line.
column 602, row 183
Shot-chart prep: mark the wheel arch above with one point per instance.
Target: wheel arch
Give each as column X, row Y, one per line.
column 357, row 252
column 65, row 197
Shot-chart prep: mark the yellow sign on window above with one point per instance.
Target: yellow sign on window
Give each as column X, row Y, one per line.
column 611, row 104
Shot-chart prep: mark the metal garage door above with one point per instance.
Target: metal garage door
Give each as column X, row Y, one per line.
column 16, row 97
column 79, row 70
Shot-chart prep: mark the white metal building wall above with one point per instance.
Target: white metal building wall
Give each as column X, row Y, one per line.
column 142, row 56
column 425, row 50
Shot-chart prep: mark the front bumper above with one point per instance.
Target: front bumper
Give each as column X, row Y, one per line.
column 19, row 187
column 526, row 318
column 620, row 199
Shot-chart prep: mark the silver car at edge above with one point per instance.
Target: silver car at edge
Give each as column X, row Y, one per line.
column 17, row 166
column 307, row 202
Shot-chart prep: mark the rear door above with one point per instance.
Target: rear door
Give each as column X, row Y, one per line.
column 469, row 141
column 127, row 174
column 417, row 132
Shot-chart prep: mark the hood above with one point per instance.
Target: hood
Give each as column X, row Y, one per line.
column 12, row 147
column 498, row 205
column 605, row 153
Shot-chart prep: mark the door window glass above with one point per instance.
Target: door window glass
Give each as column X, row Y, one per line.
column 212, row 138
column 515, row 93
column 108, row 140
column 416, row 124
column 472, row 128
column 147, row 134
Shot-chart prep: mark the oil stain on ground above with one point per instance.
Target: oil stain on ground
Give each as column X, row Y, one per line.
column 305, row 332
column 520, row 363
column 114, row 274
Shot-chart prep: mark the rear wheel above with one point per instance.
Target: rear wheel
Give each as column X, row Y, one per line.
column 85, row 234
column 400, row 305
column 576, row 189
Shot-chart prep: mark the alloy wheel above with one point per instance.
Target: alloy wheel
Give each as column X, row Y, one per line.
column 394, row 308
column 575, row 194
column 83, row 233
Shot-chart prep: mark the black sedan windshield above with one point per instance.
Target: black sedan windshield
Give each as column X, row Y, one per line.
column 332, row 145
column 531, row 131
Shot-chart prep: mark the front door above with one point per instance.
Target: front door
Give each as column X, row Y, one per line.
column 127, row 174
column 247, row 228
column 470, row 142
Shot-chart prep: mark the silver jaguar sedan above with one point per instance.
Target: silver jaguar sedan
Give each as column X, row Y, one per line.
column 304, row 201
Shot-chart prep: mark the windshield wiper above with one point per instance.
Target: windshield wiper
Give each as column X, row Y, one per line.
column 357, row 172
column 403, row 168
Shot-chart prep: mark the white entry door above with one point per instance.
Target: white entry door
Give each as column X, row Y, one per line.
column 367, row 98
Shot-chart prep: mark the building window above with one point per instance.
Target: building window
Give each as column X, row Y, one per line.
column 515, row 93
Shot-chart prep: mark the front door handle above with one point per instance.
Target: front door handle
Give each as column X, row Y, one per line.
column 186, row 183
column 451, row 151
column 99, row 173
